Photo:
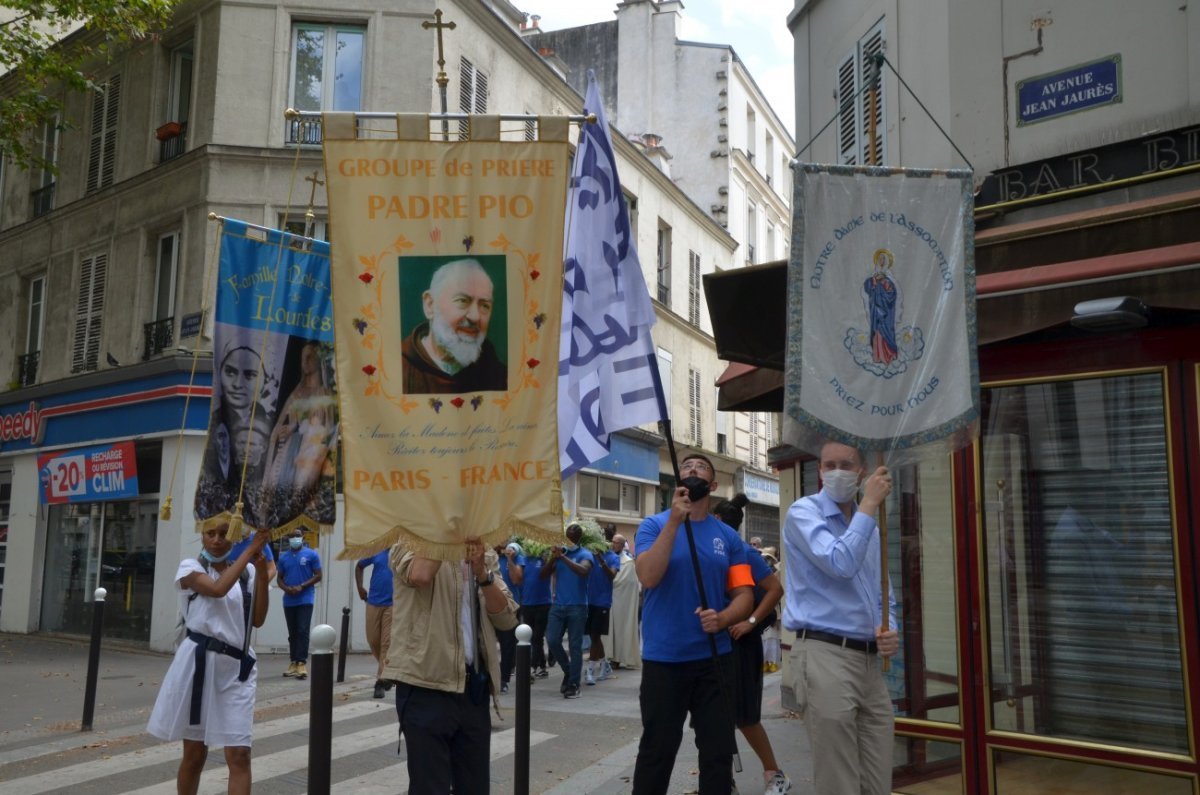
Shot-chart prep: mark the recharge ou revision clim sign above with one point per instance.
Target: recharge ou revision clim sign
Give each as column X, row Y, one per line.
column 89, row 474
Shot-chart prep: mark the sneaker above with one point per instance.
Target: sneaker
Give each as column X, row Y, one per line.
column 572, row 692
column 542, row 673
column 606, row 671
column 589, row 676
column 504, row 687
column 291, row 669
column 301, row 671
column 778, row 784
column 379, row 689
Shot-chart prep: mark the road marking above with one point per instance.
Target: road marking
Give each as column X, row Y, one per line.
column 394, row 779
column 169, row 752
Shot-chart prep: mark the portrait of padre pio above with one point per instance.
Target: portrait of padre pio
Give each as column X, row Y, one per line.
column 453, row 314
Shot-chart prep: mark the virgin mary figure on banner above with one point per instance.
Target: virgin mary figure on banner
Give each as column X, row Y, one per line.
column 270, row 455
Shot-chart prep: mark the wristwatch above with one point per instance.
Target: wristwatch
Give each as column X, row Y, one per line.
column 752, row 620
column 491, row 578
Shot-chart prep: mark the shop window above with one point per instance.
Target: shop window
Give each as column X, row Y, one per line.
column 1082, row 603
column 600, row 493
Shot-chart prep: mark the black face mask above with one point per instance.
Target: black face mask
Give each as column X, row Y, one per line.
column 697, row 487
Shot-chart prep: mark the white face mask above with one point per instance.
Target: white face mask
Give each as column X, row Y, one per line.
column 840, row 484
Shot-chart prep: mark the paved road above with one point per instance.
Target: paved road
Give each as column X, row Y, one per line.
column 577, row 746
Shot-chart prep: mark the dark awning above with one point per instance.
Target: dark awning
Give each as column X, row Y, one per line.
column 748, row 307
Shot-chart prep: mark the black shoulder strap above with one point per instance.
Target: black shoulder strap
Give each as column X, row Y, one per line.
column 204, row 564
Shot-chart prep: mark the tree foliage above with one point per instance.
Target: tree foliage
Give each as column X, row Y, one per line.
column 41, row 64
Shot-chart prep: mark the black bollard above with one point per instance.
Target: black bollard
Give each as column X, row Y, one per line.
column 89, row 693
column 521, row 747
column 320, row 714
column 344, row 645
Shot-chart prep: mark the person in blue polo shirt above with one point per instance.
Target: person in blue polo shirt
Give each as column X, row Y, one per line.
column 678, row 673
column 570, row 566
column 600, row 599
column 526, row 573
column 299, row 572
column 379, row 611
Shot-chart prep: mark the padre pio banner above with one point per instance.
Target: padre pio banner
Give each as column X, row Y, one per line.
column 272, row 436
column 447, row 294
column 881, row 348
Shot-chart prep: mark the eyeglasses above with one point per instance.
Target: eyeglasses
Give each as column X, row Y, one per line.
column 695, row 466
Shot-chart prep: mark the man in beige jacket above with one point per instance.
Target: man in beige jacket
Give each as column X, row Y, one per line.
column 444, row 660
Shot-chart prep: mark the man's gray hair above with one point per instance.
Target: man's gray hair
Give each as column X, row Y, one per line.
column 444, row 272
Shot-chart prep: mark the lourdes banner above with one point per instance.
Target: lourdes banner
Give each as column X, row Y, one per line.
column 447, row 296
column 272, row 436
column 881, row 310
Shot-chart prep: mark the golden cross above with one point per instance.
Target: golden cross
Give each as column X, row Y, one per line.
column 441, row 61
column 312, row 194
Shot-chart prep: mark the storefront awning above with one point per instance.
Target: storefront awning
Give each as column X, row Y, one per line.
column 749, row 309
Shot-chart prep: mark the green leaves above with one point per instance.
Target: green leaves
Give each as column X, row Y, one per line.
column 49, row 49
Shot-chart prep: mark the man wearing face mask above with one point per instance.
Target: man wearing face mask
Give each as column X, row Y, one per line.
column 833, row 603
column 299, row 572
column 678, row 674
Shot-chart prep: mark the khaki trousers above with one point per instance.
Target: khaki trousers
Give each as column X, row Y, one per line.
column 848, row 713
column 379, row 633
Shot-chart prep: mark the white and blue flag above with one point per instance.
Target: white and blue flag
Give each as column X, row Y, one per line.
column 607, row 371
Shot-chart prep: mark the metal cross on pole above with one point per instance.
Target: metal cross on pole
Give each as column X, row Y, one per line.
column 309, row 215
column 442, row 79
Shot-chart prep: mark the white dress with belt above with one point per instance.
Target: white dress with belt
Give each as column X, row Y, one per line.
column 227, row 705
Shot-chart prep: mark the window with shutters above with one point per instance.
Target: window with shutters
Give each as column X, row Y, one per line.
column 663, row 256
column 89, row 308
column 102, row 153
column 694, row 288
column 42, row 196
column 694, row 424
column 753, row 440
column 36, row 314
column 854, row 102
column 751, row 233
column 720, row 423
column 165, row 274
column 664, row 374
column 472, row 93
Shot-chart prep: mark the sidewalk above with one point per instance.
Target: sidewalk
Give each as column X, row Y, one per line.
column 44, row 679
column 587, row 745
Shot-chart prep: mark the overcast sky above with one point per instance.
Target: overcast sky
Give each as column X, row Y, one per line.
column 757, row 30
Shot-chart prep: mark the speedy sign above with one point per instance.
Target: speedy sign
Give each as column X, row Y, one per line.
column 89, row 474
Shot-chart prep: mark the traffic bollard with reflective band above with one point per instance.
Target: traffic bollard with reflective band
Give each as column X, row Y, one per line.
column 320, row 715
column 89, row 694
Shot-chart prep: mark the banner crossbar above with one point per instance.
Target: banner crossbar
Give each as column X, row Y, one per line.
column 577, row 118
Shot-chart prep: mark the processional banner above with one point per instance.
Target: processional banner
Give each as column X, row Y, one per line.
column 881, row 345
column 272, row 434
column 447, row 294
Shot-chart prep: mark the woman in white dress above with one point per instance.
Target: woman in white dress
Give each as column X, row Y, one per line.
column 207, row 696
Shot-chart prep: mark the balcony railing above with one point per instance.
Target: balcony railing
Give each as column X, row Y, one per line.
column 172, row 140
column 160, row 335
column 42, row 200
column 27, row 368
column 304, row 131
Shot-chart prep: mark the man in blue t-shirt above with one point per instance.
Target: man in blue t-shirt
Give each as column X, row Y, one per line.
column 678, row 674
column 526, row 574
column 299, row 572
column 570, row 566
column 379, row 611
column 600, row 598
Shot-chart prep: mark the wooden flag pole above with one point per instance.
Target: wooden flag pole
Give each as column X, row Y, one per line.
column 883, row 571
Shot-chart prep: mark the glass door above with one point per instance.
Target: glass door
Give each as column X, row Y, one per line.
column 1082, row 641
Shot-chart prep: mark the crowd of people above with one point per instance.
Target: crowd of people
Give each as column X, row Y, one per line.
column 711, row 598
